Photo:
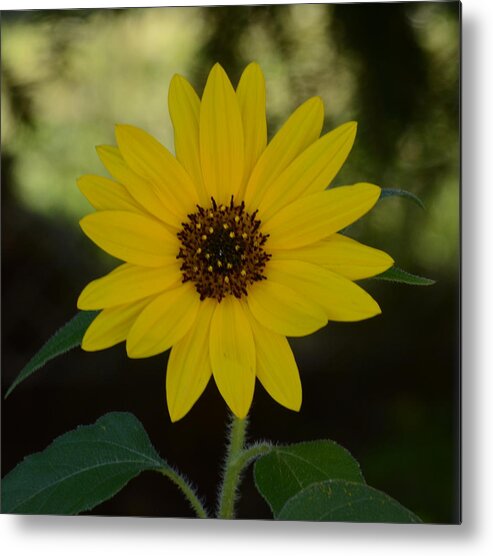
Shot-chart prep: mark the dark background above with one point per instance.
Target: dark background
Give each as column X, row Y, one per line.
column 388, row 388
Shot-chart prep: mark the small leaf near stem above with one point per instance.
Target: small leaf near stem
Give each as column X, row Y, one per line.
column 390, row 192
column 288, row 469
column 395, row 274
column 65, row 339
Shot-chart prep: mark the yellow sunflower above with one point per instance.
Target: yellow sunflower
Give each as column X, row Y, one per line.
column 229, row 246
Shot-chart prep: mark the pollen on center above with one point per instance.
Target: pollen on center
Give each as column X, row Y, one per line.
column 222, row 250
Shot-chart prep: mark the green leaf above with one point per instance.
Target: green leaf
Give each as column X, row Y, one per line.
column 388, row 192
column 395, row 274
column 345, row 501
column 81, row 468
column 287, row 470
column 65, row 339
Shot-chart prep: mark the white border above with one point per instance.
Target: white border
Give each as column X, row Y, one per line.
column 87, row 535
column 52, row 5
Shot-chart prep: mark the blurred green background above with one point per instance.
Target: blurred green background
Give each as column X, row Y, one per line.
column 387, row 389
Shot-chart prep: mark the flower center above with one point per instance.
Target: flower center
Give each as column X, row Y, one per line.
column 222, row 250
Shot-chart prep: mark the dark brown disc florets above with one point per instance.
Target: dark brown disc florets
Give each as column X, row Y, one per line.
column 222, row 250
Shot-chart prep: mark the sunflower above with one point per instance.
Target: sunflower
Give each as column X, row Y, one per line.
column 229, row 246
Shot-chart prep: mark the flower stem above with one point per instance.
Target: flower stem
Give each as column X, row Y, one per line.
column 238, row 457
column 190, row 494
column 232, row 468
column 253, row 452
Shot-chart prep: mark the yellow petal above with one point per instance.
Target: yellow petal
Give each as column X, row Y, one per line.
column 251, row 99
column 184, row 109
column 232, row 354
column 151, row 160
column 189, row 368
column 341, row 299
column 128, row 283
column 131, row 237
column 283, row 310
column 276, row 367
column 341, row 255
column 111, row 326
column 301, row 129
column 139, row 188
column 221, row 137
column 317, row 216
column 312, row 171
column 163, row 322
column 105, row 194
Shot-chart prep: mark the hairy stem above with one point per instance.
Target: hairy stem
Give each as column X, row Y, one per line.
column 232, row 468
column 238, row 457
column 251, row 453
column 188, row 491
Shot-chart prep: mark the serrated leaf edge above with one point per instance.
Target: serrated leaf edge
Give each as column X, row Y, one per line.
column 415, row 518
column 158, row 464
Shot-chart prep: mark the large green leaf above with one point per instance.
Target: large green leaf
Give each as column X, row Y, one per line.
column 287, row 470
column 389, row 192
column 395, row 274
column 65, row 339
column 345, row 501
column 81, row 468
